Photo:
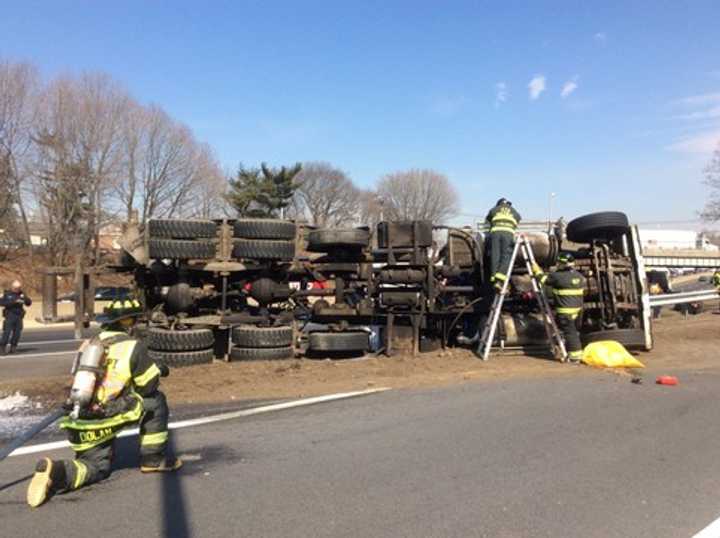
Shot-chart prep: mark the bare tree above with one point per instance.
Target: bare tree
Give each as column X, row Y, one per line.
column 417, row 195
column 208, row 198
column 166, row 168
column 18, row 100
column 78, row 155
column 711, row 211
column 369, row 209
column 326, row 194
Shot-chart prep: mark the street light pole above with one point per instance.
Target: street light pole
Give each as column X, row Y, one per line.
column 551, row 197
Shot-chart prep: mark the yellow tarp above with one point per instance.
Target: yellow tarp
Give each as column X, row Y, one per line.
column 609, row 354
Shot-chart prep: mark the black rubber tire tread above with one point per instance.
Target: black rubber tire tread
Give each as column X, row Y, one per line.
column 264, row 229
column 345, row 341
column 181, row 249
column 605, row 225
column 262, row 337
column 261, row 353
column 182, row 229
column 322, row 240
column 178, row 359
column 262, row 249
column 187, row 340
column 630, row 338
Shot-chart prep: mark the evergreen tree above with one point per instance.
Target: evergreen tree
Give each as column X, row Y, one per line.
column 262, row 192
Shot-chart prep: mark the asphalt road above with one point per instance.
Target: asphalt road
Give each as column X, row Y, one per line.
column 588, row 455
column 42, row 352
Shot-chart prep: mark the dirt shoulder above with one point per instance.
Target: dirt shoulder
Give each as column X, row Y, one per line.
column 680, row 345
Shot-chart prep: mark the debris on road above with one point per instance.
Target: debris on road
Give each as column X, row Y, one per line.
column 667, row 380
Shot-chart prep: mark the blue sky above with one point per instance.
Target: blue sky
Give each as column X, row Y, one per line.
column 471, row 89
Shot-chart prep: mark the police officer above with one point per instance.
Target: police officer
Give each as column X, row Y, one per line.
column 125, row 393
column 567, row 287
column 502, row 221
column 13, row 302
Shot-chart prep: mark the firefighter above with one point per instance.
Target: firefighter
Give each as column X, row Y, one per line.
column 502, row 221
column 567, row 287
column 125, row 392
column 13, row 302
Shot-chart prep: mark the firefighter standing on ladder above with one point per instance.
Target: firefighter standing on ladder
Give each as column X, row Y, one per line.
column 123, row 391
column 567, row 288
column 503, row 221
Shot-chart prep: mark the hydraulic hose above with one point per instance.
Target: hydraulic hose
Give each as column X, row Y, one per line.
column 31, row 432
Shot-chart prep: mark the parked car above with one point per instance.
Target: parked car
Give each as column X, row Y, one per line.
column 102, row 293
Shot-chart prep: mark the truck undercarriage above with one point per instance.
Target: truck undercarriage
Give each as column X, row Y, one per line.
column 249, row 289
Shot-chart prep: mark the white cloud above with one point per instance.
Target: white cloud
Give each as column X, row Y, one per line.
column 707, row 114
column 536, row 86
column 569, row 87
column 501, row 93
column 705, row 143
column 697, row 100
column 600, row 38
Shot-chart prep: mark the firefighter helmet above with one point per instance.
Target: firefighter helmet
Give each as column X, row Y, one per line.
column 120, row 309
column 566, row 258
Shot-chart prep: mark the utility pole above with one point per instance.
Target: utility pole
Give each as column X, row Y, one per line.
column 551, row 197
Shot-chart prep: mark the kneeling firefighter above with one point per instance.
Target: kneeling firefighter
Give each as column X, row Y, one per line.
column 115, row 385
column 567, row 287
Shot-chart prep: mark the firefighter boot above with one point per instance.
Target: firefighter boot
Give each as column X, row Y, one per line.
column 2, row 351
column 159, row 464
column 49, row 477
column 13, row 349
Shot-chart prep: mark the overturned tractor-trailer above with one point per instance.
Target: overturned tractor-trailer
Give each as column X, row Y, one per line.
column 261, row 289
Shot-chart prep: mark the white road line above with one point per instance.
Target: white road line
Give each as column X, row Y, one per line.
column 28, row 355
column 711, row 531
column 46, row 342
column 32, row 449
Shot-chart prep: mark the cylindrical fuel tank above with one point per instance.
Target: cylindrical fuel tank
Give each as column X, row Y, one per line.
column 523, row 330
column 544, row 246
column 402, row 276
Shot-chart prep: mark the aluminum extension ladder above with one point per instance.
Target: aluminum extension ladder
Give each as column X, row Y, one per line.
column 557, row 345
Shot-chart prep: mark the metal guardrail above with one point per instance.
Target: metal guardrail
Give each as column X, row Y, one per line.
column 684, row 297
column 682, row 261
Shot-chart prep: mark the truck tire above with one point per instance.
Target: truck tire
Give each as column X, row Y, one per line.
column 324, row 240
column 187, row 340
column 260, row 353
column 181, row 249
column 262, row 337
column 264, row 229
column 606, row 225
column 630, row 338
column 181, row 229
column 261, row 249
column 346, row 341
column 178, row 359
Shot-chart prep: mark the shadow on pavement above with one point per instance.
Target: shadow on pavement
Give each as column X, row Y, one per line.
column 3, row 487
column 175, row 517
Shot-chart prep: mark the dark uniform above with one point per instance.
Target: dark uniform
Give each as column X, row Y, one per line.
column 567, row 287
column 13, row 304
column 503, row 221
column 126, row 394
